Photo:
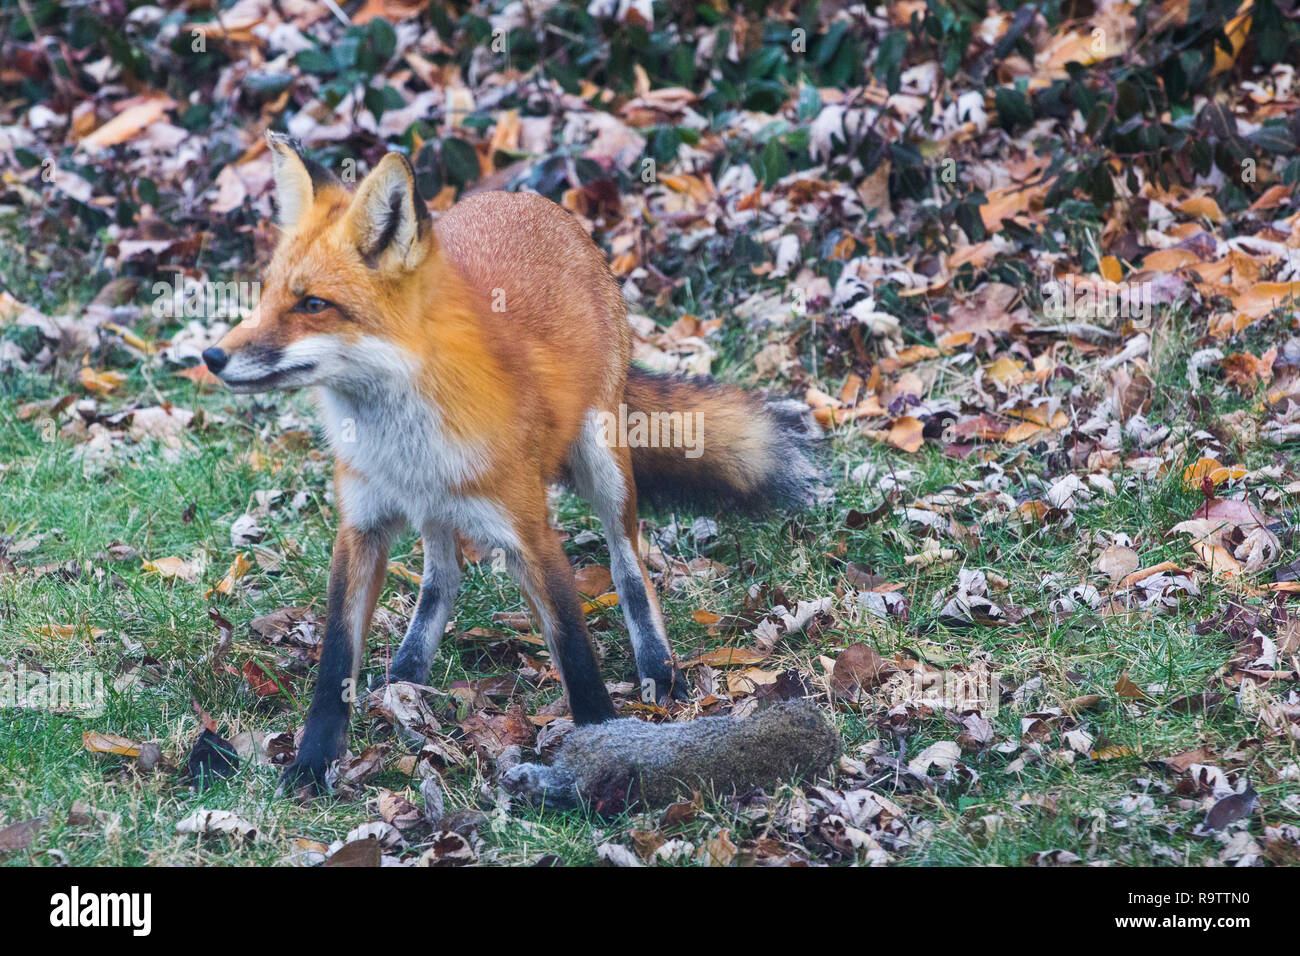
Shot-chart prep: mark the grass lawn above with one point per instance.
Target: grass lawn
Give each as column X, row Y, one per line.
column 1071, row 760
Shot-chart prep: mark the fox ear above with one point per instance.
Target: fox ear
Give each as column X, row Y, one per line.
column 293, row 180
column 388, row 217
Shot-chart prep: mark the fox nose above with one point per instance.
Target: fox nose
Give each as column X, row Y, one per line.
column 215, row 359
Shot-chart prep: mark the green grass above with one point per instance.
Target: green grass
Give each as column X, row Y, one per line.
column 181, row 504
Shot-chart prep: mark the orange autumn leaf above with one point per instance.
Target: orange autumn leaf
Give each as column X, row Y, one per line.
column 751, row 201
column 69, row 630
column 843, row 250
column 1006, row 371
column 1263, row 297
column 1274, row 196
column 906, row 433
column 1202, row 206
column 1008, row 202
column 1079, row 48
column 1032, row 511
column 600, row 603
column 1236, row 30
column 977, row 255
column 173, row 569
column 1247, row 371
column 130, row 338
column 1194, row 475
column 1141, row 574
column 391, row 10
column 1194, row 472
column 1170, row 260
column 729, row 657
column 622, row 264
column 200, row 376
column 1228, row 473
column 915, row 353
column 829, row 416
column 238, row 568
column 264, row 683
column 594, row 579
column 95, row 381
column 701, row 616
column 1022, row 431
column 99, row 743
column 127, row 124
column 692, row 186
column 815, row 398
column 1111, row 270
column 1129, row 690
column 402, row 571
column 506, row 135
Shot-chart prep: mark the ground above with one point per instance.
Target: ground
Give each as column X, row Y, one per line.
column 1086, row 512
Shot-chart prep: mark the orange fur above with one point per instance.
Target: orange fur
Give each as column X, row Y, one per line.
column 513, row 319
column 474, row 356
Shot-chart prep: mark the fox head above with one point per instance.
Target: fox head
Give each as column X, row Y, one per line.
column 343, row 278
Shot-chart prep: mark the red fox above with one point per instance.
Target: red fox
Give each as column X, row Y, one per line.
column 460, row 367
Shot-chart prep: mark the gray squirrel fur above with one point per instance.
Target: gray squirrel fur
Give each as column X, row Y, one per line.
column 622, row 763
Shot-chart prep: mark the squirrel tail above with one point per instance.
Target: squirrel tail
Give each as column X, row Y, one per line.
column 741, row 453
column 622, row 763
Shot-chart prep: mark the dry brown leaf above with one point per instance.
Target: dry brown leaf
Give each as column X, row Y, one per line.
column 593, row 580
column 1129, row 690
column 174, row 569
column 128, row 123
column 1117, row 562
column 728, row 657
column 99, row 743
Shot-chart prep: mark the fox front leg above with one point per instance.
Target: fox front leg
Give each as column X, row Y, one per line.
column 433, row 608
column 356, row 577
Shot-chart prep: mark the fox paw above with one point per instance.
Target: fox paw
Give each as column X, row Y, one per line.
column 664, row 685
column 404, row 672
column 308, row 776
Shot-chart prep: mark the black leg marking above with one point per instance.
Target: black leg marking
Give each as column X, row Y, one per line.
column 356, row 578
column 660, row 677
column 411, row 663
column 438, row 587
column 588, row 698
column 325, row 736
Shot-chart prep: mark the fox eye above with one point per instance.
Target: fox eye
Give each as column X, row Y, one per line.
column 312, row 304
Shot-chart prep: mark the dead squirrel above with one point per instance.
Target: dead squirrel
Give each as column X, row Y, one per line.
column 620, row 763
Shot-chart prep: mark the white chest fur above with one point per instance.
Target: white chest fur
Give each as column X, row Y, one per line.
column 406, row 464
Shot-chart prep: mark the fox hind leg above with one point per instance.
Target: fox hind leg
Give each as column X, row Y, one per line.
column 538, row 563
column 603, row 475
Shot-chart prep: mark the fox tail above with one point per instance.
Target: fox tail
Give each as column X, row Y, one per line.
column 745, row 454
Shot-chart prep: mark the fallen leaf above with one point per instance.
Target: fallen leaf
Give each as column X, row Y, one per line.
column 1117, row 562
column 728, row 657
column 943, row 755
column 1129, row 690
column 174, row 569
column 593, row 580
column 96, row 742
column 19, row 836
column 859, row 668
column 365, row 853
column 222, row 822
